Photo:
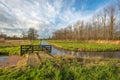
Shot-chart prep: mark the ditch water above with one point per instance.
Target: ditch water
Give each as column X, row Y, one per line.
column 3, row 58
column 55, row 50
column 58, row 51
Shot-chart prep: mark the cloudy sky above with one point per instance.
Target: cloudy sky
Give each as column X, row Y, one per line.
column 46, row 16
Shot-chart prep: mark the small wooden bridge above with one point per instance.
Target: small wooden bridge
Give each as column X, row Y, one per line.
column 34, row 48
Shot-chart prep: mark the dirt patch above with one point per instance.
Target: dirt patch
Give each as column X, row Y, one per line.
column 11, row 61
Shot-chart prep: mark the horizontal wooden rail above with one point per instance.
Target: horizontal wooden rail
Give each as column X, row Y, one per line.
column 33, row 48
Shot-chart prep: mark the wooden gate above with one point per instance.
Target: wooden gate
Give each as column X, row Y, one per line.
column 34, row 48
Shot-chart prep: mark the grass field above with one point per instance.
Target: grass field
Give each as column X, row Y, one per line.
column 12, row 47
column 84, row 46
column 66, row 68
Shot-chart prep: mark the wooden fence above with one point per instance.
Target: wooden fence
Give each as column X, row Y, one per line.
column 34, row 48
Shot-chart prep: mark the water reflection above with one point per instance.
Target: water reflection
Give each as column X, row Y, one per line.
column 83, row 54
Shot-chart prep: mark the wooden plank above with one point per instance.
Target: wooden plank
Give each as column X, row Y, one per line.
column 32, row 48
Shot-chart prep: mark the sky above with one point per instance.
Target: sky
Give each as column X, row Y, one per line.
column 46, row 16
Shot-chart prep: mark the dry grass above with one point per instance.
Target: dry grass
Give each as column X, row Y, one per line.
column 105, row 41
column 17, row 42
column 14, row 42
column 32, row 59
column 64, row 56
column 87, row 61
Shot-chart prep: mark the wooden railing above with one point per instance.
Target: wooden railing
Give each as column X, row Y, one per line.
column 34, row 48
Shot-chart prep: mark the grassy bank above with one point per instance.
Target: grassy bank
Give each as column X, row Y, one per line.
column 12, row 47
column 66, row 68
column 84, row 46
column 11, row 50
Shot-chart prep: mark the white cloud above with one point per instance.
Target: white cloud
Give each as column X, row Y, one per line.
column 43, row 15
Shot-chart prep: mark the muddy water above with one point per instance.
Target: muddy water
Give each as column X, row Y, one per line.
column 55, row 50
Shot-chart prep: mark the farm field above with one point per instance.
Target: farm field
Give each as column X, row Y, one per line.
column 12, row 47
column 84, row 46
column 66, row 68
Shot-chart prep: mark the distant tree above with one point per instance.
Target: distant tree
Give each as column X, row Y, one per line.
column 119, row 4
column 119, row 12
column 24, row 35
column 111, row 12
column 3, row 35
column 104, row 22
column 32, row 34
column 102, row 26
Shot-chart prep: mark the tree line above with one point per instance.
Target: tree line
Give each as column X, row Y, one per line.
column 104, row 25
column 31, row 34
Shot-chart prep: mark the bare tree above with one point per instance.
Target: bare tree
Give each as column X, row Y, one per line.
column 119, row 12
column 111, row 12
column 32, row 34
column 24, row 35
column 119, row 4
column 101, row 26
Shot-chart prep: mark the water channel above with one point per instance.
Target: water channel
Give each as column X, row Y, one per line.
column 3, row 58
column 55, row 50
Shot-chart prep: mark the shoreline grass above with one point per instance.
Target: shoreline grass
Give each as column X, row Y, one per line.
column 13, row 47
column 66, row 68
column 84, row 46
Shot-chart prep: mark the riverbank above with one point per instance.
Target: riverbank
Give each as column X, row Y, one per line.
column 8, row 61
column 66, row 67
column 85, row 46
column 12, row 47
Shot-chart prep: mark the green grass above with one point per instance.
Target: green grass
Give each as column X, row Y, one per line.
column 66, row 69
column 12, row 49
column 84, row 46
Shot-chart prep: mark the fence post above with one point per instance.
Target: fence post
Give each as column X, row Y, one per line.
column 32, row 48
column 21, row 50
column 50, row 48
